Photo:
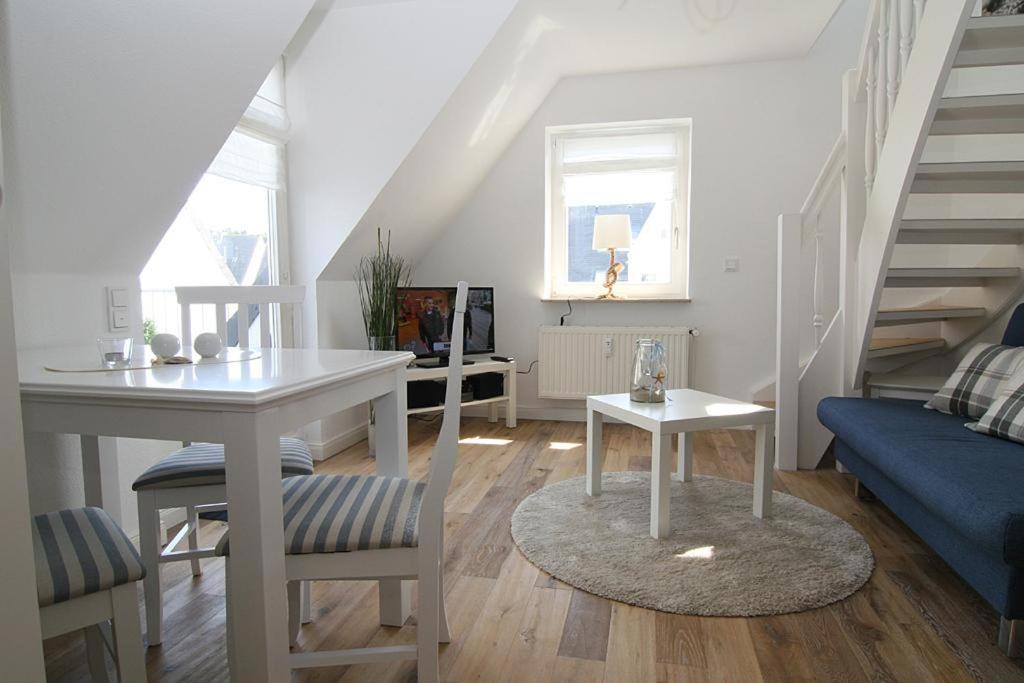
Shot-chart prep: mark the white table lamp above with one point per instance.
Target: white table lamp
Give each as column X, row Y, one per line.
column 611, row 232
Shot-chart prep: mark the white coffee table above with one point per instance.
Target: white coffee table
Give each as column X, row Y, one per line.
column 685, row 410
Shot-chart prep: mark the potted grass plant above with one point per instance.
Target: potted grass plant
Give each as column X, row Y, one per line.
column 378, row 277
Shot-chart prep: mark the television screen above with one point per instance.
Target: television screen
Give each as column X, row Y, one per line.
column 425, row 320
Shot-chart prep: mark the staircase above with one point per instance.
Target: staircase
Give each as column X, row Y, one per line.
column 925, row 262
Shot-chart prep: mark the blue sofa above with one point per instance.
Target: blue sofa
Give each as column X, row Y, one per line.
column 960, row 491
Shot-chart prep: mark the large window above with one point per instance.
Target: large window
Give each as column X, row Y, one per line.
column 231, row 230
column 640, row 170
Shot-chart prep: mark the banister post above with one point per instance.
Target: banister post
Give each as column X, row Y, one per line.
column 787, row 341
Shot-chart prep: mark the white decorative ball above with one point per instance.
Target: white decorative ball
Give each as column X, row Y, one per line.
column 165, row 345
column 208, row 344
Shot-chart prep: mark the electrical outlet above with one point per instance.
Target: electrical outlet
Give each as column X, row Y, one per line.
column 608, row 347
column 732, row 264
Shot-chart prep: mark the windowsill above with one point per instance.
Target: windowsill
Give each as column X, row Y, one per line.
column 620, row 300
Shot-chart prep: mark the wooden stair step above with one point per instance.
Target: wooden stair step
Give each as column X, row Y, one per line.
column 986, row 114
column 946, row 277
column 922, row 314
column 882, row 347
column 899, row 381
column 969, row 177
column 961, row 231
column 992, row 41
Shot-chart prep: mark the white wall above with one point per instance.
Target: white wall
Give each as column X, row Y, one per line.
column 361, row 90
column 112, row 112
column 760, row 134
column 541, row 42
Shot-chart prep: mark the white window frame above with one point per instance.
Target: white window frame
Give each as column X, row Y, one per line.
column 556, row 284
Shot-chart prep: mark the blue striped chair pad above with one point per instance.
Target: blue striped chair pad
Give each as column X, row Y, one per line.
column 202, row 464
column 327, row 513
column 81, row 551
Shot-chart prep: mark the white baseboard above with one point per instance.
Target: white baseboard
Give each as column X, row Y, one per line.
column 567, row 414
column 336, row 444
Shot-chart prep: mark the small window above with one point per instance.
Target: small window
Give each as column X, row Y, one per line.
column 639, row 170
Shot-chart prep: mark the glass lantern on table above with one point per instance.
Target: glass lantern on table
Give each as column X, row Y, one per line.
column 650, row 369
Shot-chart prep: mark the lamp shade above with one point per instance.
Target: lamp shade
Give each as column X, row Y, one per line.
column 612, row 231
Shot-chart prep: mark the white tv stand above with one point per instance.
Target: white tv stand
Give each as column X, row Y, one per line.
column 479, row 367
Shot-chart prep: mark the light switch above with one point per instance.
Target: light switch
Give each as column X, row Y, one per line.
column 117, row 309
column 118, row 297
column 732, row 264
column 608, row 347
column 118, row 318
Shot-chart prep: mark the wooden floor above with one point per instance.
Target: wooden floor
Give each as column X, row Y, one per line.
column 913, row 621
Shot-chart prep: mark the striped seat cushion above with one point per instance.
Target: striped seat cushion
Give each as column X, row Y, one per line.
column 976, row 382
column 81, row 551
column 202, row 464
column 327, row 513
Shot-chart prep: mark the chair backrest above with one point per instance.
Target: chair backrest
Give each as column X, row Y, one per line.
column 261, row 300
column 446, row 451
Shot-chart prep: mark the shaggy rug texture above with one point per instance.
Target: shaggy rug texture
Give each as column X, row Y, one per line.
column 719, row 560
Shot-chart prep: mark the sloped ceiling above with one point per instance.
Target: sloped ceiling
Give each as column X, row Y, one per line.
column 113, row 110
column 364, row 81
column 540, row 42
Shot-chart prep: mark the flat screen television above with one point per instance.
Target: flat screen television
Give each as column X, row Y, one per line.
column 425, row 321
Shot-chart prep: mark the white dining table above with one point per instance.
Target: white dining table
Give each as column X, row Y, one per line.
column 245, row 405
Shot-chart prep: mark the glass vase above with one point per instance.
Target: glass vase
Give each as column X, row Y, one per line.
column 382, row 343
column 649, row 372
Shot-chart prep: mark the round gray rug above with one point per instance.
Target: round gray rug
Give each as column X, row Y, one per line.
column 719, row 559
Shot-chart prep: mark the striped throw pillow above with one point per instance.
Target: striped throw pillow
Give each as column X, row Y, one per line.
column 976, row 382
column 1005, row 417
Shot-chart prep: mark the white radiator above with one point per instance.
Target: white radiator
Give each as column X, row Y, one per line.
column 576, row 362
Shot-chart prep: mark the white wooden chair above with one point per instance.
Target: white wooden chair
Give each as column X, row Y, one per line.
column 271, row 300
column 86, row 569
column 193, row 477
column 341, row 527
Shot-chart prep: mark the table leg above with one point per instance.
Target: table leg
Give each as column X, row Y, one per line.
column 764, row 468
column 685, row 469
column 100, row 476
column 392, row 432
column 259, row 621
column 661, row 477
column 594, row 452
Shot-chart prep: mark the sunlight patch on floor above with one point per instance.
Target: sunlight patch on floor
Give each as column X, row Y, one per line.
column 563, row 445
column 705, row 552
column 484, row 441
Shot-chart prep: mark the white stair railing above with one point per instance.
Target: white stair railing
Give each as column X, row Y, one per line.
column 793, row 390
column 889, row 40
column 871, row 95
